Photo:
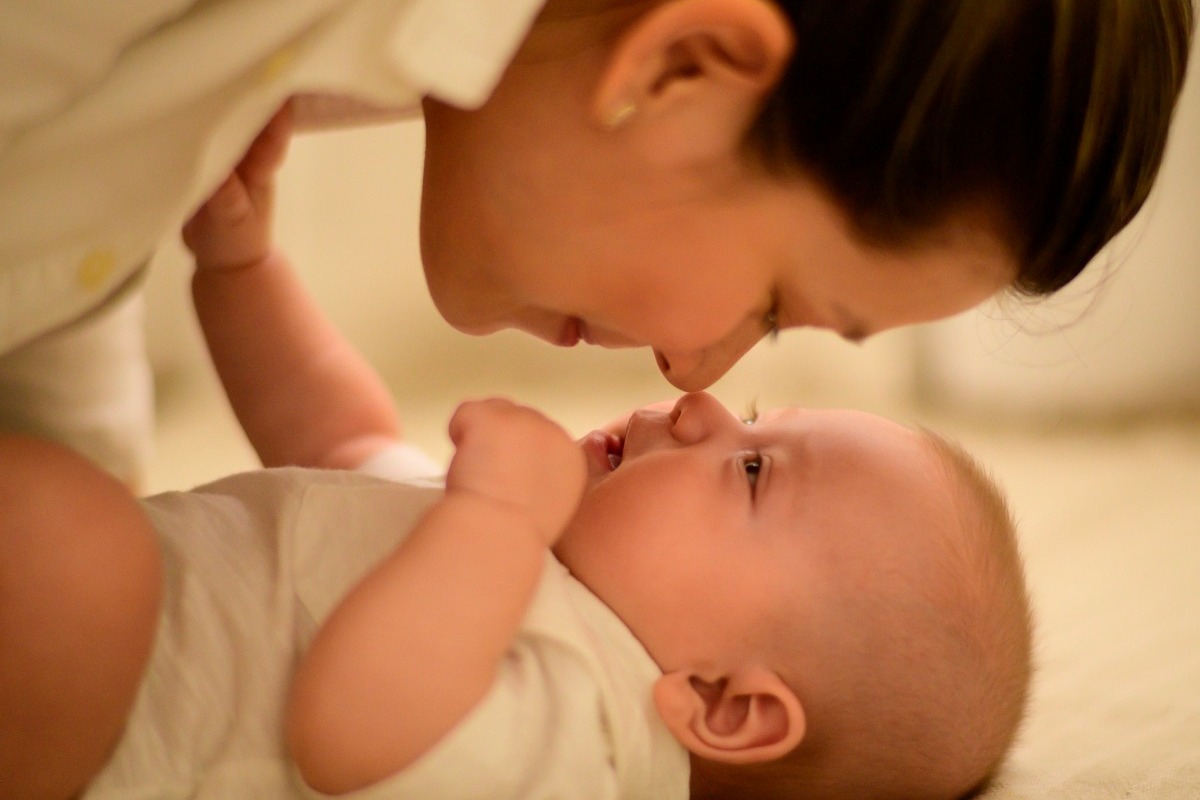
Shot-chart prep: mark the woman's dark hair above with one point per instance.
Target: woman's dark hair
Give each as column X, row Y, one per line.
column 1053, row 113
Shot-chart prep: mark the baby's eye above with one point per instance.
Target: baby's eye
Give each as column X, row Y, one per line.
column 752, row 465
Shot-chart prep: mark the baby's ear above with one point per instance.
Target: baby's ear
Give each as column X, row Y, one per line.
column 742, row 718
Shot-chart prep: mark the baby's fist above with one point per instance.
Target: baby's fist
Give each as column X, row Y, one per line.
column 233, row 227
column 515, row 457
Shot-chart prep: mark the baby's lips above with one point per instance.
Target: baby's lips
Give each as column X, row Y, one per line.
column 603, row 451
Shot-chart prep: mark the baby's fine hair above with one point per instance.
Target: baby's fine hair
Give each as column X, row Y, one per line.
column 935, row 687
column 1051, row 115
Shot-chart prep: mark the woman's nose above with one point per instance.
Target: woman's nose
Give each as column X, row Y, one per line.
column 696, row 417
column 697, row 370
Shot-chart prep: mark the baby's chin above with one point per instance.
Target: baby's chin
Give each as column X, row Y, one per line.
column 564, row 550
column 573, row 546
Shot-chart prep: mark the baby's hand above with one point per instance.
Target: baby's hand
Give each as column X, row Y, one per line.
column 233, row 228
column 517, row 458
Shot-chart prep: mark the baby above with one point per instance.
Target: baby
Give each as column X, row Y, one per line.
column 819, row 604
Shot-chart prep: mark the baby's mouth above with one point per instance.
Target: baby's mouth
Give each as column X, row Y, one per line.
column 604, row 451
column 616, row 446
column 616, row 450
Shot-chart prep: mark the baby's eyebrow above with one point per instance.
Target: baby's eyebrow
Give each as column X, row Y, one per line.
column 771, row 413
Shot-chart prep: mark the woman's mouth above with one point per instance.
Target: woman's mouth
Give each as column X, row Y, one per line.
column 570, row 333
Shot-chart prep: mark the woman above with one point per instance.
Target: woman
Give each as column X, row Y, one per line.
column 687, row 175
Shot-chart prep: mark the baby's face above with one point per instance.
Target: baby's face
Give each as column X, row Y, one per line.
column 707, row 527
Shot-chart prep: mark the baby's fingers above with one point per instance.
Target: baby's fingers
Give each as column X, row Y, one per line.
column 268, row 150
column 229, row 205
column 519, row 459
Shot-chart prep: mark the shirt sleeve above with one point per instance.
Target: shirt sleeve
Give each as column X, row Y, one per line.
column 458, row 49
column 52, row 50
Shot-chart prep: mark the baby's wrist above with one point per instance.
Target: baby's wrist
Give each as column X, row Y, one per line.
column 501, row 514
column 226, row 266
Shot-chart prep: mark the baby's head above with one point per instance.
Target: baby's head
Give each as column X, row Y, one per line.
column 836, row 601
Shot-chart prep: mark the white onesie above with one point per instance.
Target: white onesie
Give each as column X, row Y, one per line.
column 254, row 563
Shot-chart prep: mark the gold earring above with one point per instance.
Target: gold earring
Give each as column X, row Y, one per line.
column 771, row 323
column 620, row 115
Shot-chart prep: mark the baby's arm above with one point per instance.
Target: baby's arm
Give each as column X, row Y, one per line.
column 301, row 392
column 417, row 643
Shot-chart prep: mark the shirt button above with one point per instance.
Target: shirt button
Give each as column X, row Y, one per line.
column 277, row 64
column 95, row 268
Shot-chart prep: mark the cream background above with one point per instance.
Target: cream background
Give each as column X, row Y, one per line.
column 1123, row 339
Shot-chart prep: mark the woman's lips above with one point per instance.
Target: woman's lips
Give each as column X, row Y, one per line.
column 571, row 332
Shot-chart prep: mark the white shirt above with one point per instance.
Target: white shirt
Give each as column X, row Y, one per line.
column 115, row 126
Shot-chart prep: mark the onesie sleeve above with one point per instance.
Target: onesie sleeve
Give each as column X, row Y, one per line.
column 401, row 462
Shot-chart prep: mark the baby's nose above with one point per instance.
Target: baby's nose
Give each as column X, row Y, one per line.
column 696, row 417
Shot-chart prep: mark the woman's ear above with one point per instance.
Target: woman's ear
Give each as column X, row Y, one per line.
column 688, row 78
column 743, row 718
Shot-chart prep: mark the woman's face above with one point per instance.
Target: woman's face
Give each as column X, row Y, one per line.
column 534, row 217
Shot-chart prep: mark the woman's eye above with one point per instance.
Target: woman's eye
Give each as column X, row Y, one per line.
column 771, row 322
